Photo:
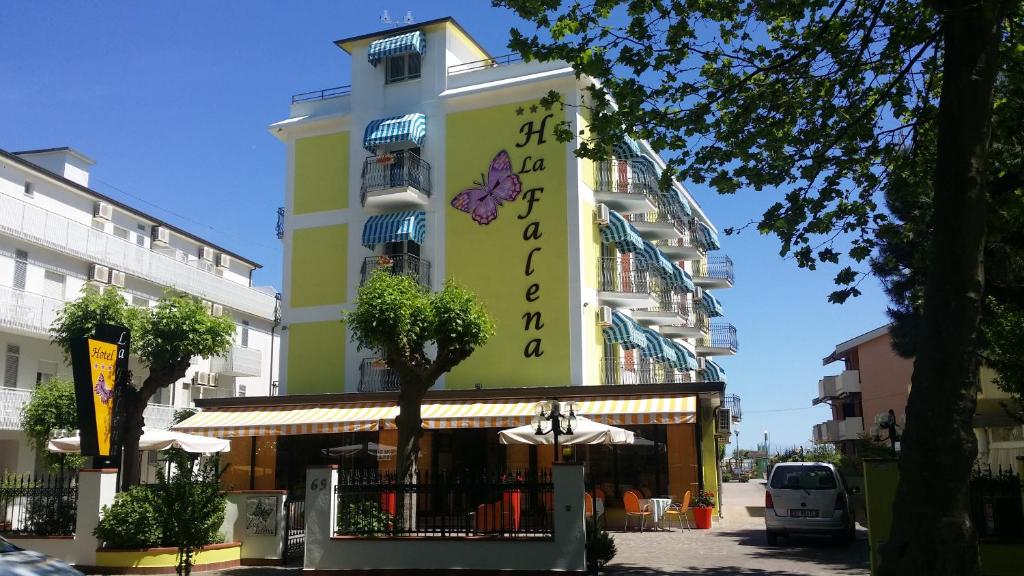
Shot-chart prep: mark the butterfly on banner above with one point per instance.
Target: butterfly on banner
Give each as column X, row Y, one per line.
column 105, row 394
column 500, row 185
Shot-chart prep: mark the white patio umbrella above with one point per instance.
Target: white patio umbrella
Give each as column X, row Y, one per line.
column 586, row 431
column 371, row 448
column 153, row 439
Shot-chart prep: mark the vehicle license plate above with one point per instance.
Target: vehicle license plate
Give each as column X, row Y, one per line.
column 803, row 513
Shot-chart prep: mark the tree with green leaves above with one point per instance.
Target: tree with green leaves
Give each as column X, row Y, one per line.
column 822, row 100
column 400, row 320
column 192, row 505
column 51, row 409
column 164, row 338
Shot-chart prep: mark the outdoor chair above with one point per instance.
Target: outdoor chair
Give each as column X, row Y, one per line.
column 634, row 510
column 678, row 510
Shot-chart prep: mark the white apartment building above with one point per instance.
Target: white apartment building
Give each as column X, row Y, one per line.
column 57, row 234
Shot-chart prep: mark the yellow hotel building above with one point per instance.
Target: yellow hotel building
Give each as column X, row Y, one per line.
column 438, row 162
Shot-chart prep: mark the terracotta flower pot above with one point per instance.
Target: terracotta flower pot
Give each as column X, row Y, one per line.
column 702, row 517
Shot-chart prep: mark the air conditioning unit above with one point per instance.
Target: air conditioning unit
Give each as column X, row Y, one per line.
column 702, row 363
column 223, row 261
column 201, row 378
column 723, row 422
column 102, row 210
column 604, row 316
column 217, row 310
column 117, row 278
column 99, row 273
column 161, row 235
column 603, row 214
column 206, row 253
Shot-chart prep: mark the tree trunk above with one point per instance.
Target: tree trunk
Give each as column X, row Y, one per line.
column 410, row 430
column 932, row 531
column 135, row 405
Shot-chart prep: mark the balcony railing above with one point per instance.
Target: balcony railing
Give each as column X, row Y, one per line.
column 322, row 94
column 720, row 336
column 615, row 371
column 503, row 60
column 691, row 243
column 11, row 402
column 398, row 264
column 731, row 402
column 42, row 227
column 624, row 177
column 718, row 267
column 158, row 416
column 27, row 311
column 239, row 361
column 401, row 169
column 279, row 227
column 618, row 275
column 375, row 376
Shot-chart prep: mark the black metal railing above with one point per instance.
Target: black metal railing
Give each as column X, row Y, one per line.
column 720, row 335
column 41, row 505
column 505, row 505
column 996, row 504
column 625, row 275
column 322, row 94
column 663, row 214
column 502, row 60
column 279, row 227
column 398, row 264
column 375, row 376
column 395, row 170
column 618, row 371
column 718, row 266
column 672, row 301
column 294, row 528
column 619, row 177
column 691, row 238
column 732, row 403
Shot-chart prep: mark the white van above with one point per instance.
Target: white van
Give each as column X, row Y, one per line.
column 809, row 498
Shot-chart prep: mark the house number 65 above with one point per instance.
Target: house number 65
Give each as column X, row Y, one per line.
column 316, row 485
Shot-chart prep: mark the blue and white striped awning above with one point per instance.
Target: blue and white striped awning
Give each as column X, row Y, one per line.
column 395, row 227
column 411, row 128
column 395, row 45
column 649, row 172
column 676, row 202
column 712, row 372
column 658, row 347
column 710, row 237
column 681, row 279
column 625, row 332
column 657, row 261
column 711, row 304
column 620, row 232
column 685, row 360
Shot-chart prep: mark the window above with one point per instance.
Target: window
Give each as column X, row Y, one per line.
column 47, row 371
column 122, row 233
column 403, row 67
column 140, row 236
column 802, row 477
column 245, row 334
column 11, row 366
column 20, row 269
column 30, row 189
column 53, row 285
column 401, row 248
column 98, row 224
column 140, row 302
column 241, row 390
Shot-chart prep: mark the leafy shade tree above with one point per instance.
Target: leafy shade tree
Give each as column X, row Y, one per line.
column 52, row 407
column 821, row 99
column 191, row 504
column 164, row 338
column 397, row 318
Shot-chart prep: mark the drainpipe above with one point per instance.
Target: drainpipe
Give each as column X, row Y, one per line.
column 273, row 328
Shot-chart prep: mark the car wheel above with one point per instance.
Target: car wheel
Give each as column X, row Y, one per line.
column 773, row 538
column 841, row 537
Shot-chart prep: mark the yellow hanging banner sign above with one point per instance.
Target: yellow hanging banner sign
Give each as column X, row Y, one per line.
column 102, row 364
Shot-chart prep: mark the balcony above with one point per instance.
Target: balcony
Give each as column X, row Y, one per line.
column 688, row 246
column 671, row 308
column 616, row 371
column 59, row 233
column 623, row 186
column 395, row 181
column 158, row 416
column 714, row 272
column 239, row 361
column 838, row 386
column 719, row 341
column 839, row 430
column 826, row 432
column 661, row 224
column 375, row 376
column 731, row 402
column 279, row 227
column 694, row 322
column 27, row 313
column 11, row 402
column 398, row 264
column 851, row 428
column 623, row 283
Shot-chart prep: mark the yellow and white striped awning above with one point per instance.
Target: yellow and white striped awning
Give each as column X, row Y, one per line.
column 293, row 419
column 289, row 420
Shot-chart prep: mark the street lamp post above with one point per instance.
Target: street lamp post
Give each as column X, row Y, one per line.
column 767, row 453
column 561, row 423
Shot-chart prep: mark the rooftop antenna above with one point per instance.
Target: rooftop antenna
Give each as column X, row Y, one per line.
column 386, row 18
column 408, row 17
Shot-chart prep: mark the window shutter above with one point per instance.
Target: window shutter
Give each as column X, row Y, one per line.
column 11, row 366
column 20, row 269
column 53, row 285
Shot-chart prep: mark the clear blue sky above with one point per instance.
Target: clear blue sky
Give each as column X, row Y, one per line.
column 172, row 100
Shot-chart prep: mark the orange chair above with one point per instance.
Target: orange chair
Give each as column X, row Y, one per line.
column 588, row 505
column 633, row 509
column 678, row 510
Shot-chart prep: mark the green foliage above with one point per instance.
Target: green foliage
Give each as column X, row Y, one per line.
column 78, row 319
column 192, row 505
column 600, row 548
column 50, row 412
column 365, row 518
column 133, row 521
column 704, row 499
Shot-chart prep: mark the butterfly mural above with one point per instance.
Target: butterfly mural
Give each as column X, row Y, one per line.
column 499, row 186
column 105, row 394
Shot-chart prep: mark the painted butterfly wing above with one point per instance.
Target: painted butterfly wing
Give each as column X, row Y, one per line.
column 502, row 182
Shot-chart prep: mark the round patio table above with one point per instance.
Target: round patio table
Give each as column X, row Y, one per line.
column 658, row 507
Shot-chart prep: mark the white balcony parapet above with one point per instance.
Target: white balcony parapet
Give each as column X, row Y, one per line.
column 158, row 416
column 27, row 312
column 851, row 428
column 38, row 226
column 838, row 386
column 239, row 361
column 11, row 402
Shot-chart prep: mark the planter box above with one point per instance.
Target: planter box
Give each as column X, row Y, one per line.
column 163, row 560
column 702, row 517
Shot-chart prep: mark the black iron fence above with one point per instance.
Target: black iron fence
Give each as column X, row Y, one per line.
column 996, row 504
column 295, row 529
column 732, row 403
column 691, row 238
column 38, row 505
column 279, row 227
column 502, row 60
column 398, row 264
column 719, row 267
column 720, row 335
column 508, row 505
column 322, row 94
column 629, row 276
column 375, row 376
column 662, row 214
column 625, row 177
column 616, row 371
column 395, row 170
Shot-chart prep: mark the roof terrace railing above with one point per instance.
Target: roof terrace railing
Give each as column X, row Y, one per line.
column 322, row 94
column 502, row 60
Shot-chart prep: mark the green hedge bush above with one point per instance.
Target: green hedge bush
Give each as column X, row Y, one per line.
column 133, row 521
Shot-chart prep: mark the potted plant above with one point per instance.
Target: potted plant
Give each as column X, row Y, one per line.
column 703, row 506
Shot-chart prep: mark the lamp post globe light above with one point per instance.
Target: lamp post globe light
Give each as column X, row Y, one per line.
column 560, row 415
